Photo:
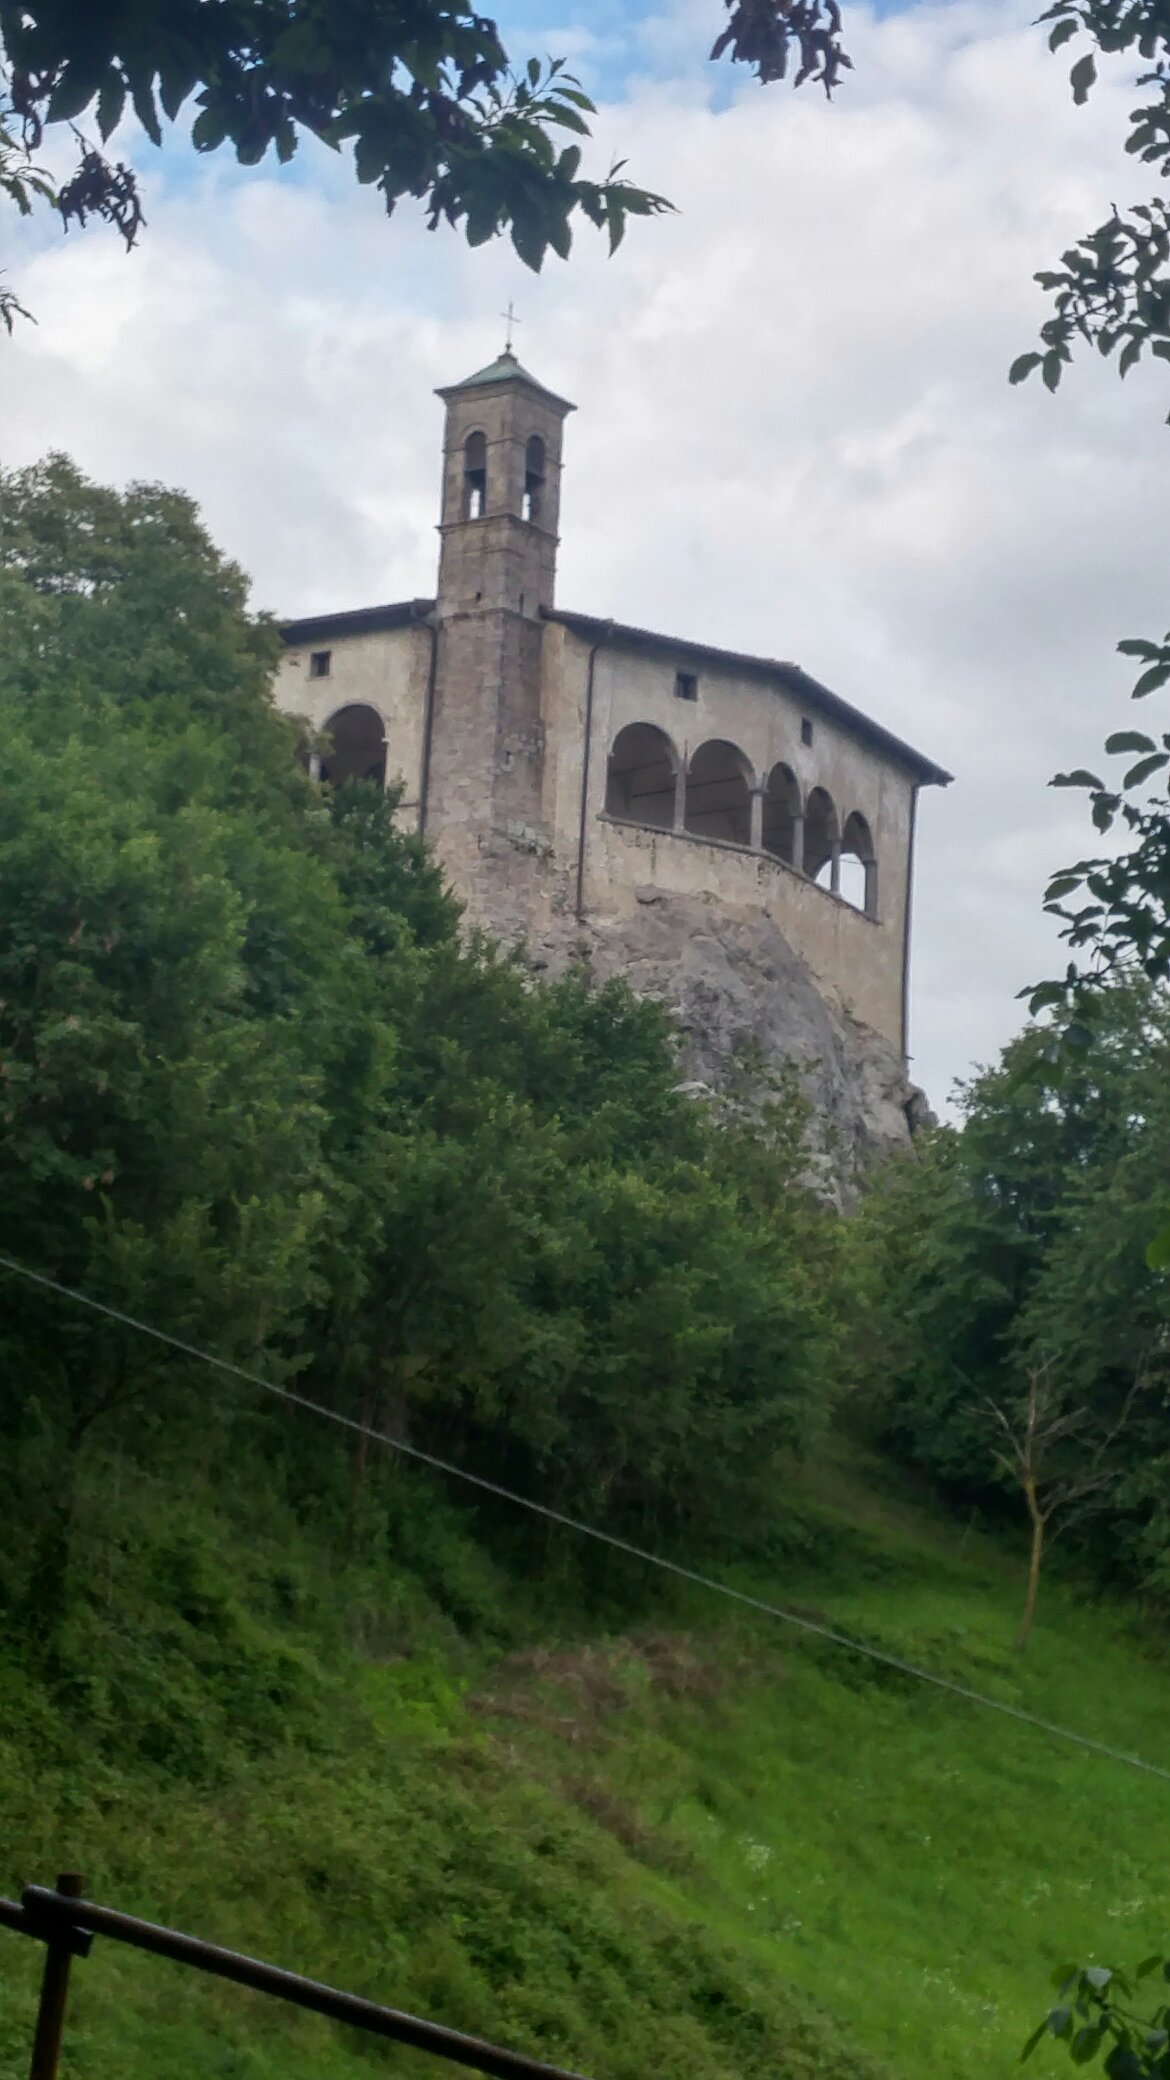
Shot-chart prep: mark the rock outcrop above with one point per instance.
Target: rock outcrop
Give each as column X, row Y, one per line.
column 740, row 996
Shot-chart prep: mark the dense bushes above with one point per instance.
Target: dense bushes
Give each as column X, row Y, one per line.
column 256, row 1091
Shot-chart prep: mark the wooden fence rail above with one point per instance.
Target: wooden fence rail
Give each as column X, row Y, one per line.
column 66, row 1924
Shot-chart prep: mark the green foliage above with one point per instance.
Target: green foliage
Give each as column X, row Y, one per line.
column 1094, row 2020
column 1018, row 1242
column 1112, row 288
column 425, row 94
column 614, row 1823
column 257, row 1091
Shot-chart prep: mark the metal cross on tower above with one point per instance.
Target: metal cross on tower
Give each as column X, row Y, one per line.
column 510, row 319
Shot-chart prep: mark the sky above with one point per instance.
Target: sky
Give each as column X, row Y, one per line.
column 794, row 431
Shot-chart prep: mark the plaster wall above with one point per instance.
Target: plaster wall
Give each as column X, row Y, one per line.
column 385, row 669
column 857, row 958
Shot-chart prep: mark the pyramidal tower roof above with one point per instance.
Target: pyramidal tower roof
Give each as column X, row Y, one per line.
column 504, row 369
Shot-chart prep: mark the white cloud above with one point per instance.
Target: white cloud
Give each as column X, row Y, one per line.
column 794, row 431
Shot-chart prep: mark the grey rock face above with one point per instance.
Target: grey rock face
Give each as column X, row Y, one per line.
column 743, row 999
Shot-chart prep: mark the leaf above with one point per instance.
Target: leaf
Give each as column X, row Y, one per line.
column 72, row 94
column 1022, row 366
column 1151, row 680
column 1051, row 368
column 1098, row 1976
column 111, row 102
column 1130, row 353
column 142, row 94
column 1123, row 2064
column 1157, row 1258
column 1037, row 2037
column 1145, row 767
column 1134, row 646
column 1062, row 32
column 1128, row 740
column 1082, row 77
column 1149, row 1964
column 208, row 130
column 1076, row 1035
column 1058, row 2021
column 1079, row 778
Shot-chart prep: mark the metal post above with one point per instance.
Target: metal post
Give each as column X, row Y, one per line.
column 54, row 1991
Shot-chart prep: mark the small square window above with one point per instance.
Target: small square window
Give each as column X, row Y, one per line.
column 320, row 663
column 686, row 686
column 805, row 730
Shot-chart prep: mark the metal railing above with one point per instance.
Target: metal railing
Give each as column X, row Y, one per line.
column 67, row 1924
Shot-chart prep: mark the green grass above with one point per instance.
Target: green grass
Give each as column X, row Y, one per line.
column 678, row 1841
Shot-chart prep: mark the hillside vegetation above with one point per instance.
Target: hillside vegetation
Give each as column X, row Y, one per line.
column 267, row 1681
column 689, row 1843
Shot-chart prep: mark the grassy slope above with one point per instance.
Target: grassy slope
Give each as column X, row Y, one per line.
column 700, row 1846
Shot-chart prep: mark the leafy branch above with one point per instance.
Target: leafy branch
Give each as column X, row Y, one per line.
column 1112, row 288
column 1094, row 2019
column 423, row 93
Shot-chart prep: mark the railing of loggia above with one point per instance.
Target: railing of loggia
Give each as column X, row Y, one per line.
column 66, row 1924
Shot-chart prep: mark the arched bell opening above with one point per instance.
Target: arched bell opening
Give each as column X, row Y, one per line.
column 533, row 478
column 474, row 477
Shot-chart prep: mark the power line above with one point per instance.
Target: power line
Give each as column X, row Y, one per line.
column 577, row 1524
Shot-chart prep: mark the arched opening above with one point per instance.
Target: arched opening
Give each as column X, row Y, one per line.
column 640, row 777
column 781, row 814
column 718, row 797
column 858, row 865
column 533, row 478
column 357, row 746
column 474, row 477
column 821, row 834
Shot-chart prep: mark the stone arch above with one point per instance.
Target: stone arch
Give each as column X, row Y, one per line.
column 822, row 838
column 858, row 865
column 718, row 802
column 641, row 776
column 781, row 826
column 357, row 749
column 533, row 478
column 474, row 503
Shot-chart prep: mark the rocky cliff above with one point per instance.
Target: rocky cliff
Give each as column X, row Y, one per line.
column 741, row 995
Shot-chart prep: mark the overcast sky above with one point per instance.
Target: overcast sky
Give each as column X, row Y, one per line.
column 794, row 430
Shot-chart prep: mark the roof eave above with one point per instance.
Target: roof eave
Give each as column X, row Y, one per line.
column 356, row 620
column 925, row 771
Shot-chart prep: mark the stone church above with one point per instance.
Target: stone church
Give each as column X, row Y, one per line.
column 720, row 828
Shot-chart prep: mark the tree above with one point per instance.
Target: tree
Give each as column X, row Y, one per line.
column 1015, row 1245
column 425, row 94
column 1125, row 924
column 1061, row 1467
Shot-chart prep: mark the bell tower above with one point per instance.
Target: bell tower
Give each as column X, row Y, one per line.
column 497, row 569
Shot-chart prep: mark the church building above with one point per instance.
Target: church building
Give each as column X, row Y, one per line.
column 568, row 769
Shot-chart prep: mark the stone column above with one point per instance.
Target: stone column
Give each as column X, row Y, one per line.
column 871, row 888
column 757, row 834
column 314, row 765
column 798, row 841
column 835, row 866
column 680, row 796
